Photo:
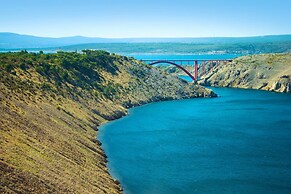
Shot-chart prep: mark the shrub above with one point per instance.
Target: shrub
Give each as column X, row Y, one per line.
column 8, row 67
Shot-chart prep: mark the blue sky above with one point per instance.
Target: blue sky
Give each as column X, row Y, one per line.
column 146, row 18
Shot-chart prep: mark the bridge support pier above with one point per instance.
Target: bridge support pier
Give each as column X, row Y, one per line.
column 196, row 70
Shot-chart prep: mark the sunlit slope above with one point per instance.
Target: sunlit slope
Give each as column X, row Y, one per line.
column 266, row 72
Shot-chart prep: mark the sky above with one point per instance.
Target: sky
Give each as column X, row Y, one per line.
column 146, row 18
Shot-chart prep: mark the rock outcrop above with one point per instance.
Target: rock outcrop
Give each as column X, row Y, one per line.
column 270, row 72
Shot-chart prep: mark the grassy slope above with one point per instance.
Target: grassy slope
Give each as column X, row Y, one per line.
column 267, row 72
column 51, row 106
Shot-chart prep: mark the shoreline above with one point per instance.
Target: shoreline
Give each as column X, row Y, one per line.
column 246, row 88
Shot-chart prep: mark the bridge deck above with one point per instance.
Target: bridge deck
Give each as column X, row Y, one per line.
column 185, row 60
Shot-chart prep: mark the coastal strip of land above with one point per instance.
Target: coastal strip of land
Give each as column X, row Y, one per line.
column 271, row 72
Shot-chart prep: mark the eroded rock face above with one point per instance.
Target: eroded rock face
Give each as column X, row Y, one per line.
column 270, row 72
column 276, row 86
column 281, row 85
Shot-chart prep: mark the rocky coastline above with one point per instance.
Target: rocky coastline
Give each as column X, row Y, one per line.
column 271, row 72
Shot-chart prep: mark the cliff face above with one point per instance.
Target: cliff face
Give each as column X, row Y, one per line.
column 51, row 106
column 270, row 72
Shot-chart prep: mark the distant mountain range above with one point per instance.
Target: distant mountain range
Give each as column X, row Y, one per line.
column 15, row 41
column 11, row 41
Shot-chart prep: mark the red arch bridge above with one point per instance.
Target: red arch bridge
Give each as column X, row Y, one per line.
column 197, row 64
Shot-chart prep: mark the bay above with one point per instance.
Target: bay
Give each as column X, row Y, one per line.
column 237, row 143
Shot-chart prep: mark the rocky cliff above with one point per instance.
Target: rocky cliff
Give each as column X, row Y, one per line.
column 270, row 72
column 51, row 106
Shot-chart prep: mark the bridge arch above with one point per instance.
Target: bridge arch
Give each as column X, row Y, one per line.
column 172, row 63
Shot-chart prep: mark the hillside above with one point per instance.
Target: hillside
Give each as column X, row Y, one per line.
column 270, row 72
column 51, row 106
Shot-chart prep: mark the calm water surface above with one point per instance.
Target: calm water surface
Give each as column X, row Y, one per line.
column 237, row 143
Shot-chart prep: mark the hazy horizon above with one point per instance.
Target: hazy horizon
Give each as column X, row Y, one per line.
column 146, row 37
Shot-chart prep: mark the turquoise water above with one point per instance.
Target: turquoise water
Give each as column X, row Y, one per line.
column 186, row 77
column 237, row 143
